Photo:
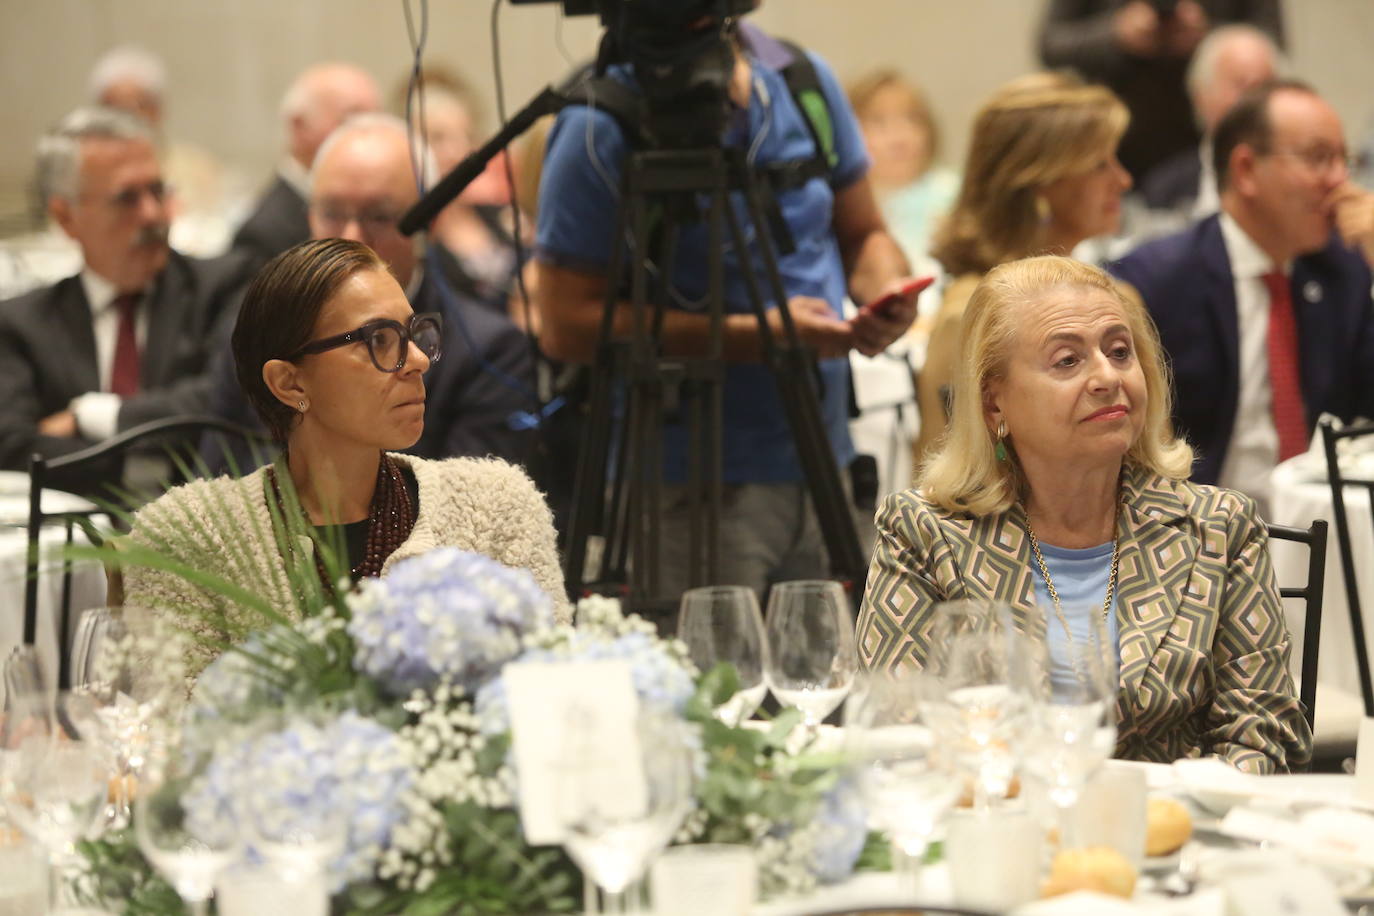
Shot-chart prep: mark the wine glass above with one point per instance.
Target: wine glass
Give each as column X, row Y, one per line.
column 614, row 835
column 812, row 660
column 906, row 781
column 187, row 844
column 722, row 623
column 130, row 664
column 1072, row 723
column 52, row 781
column 982, row 661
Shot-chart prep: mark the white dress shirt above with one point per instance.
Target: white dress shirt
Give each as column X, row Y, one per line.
column 1254, row 448
column 97, row 412
column 1208, row 201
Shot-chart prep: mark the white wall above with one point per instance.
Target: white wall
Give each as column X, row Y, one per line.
column 231, row 59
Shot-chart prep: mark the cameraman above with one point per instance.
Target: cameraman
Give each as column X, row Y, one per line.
column 769, row 531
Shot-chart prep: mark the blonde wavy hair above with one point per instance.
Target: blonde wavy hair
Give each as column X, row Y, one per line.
column 964, row 475
column 1034, row 130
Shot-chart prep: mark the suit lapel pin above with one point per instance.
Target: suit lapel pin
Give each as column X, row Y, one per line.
column 1312, row 291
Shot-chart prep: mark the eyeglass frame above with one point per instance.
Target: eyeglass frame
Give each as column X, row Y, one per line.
column 127, row 200
column 1329, row 158
column 362, row 335
column 373, row 223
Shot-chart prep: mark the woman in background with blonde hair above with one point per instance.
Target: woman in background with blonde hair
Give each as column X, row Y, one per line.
column 1061, row 490
column 1041, row 176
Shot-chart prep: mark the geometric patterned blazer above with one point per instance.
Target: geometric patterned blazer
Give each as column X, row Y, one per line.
column 1204, row 646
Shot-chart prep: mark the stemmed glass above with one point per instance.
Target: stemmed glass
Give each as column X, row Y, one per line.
column 189, row 847
column 812, row 661
column 51, row 779
column 614, row 836
column 131, row 667
column 905, row 780
column 722, row 623
column 982, row 661
column 1072, row 723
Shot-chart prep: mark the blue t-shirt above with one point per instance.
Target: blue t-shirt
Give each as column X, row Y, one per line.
column 1080, row 577
column 578, row 198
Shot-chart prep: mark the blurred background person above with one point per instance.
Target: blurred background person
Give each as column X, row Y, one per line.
column 205, row 199
column 126, row 340
column 1230, row 61
column 1041, row 177
column 1062, row 491
column 319, row 100
column 1140, row 49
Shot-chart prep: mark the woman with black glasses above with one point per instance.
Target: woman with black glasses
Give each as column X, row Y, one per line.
column 332, row 358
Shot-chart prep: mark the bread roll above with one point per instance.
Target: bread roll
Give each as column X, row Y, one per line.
column 1167, row 826
column 1095, row 868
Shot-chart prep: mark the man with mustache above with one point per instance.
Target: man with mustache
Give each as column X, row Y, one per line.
column 126, row 340
column 1265, row 308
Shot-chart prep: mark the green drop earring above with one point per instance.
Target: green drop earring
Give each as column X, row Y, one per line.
column 1000, row 451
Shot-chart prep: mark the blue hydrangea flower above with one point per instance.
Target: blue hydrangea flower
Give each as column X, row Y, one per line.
column 659, row 680
column 448, row 614
column 842, row 830
column 231, row 690
column 342, row 780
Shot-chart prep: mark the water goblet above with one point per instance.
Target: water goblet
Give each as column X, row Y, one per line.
column 722, row 623
column 614, row 839
column 1072, row 723
column 906, row 782
column 981, row 660
column 189, row 846
column 812, row 660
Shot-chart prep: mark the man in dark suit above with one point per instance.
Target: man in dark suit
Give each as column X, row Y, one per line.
column 124, row 341
column 320, row 99
column 361, row 184
column 1265, row 309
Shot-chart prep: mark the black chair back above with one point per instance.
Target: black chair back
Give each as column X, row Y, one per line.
column 1338, row 482
column 181, row 429
column 1311, row 594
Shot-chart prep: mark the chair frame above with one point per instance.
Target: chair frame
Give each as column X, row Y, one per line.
column 1313, row 595
column 39, row 470
column 1338, row 483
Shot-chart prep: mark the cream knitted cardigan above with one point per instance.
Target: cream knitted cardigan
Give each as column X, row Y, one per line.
column 483, row 505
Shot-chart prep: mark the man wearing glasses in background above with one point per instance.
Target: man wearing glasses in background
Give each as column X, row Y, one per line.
column 126, row 340
column 362, row 181
column 1265, row 309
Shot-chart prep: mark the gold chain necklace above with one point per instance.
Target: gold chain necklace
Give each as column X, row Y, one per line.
column 1054, row 595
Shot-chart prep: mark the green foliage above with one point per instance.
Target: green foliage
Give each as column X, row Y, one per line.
column 117, row 875
column 493, row 872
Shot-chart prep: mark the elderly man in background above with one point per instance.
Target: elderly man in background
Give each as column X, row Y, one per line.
column 319, row 100
column 1230, row 61
column 1265, row 308
column 203, row 195
column 124, row 341
column 362, row 181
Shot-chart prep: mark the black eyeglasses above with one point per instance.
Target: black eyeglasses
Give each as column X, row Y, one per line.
column 388, row 341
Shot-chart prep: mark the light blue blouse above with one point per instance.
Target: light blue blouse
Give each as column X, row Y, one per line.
column 1080, row 577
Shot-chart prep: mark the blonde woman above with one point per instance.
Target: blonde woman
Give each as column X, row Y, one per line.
column 1041, row 176
column 1061, row 490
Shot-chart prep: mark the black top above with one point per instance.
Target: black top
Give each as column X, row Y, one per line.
column 355, row 533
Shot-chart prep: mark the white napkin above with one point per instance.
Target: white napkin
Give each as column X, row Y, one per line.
column 1334, row 835
column 1356, row 456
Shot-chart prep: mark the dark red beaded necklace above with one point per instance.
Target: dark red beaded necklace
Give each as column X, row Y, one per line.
column 389, row 519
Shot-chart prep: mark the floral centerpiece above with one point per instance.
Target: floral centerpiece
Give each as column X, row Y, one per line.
column 384, row 709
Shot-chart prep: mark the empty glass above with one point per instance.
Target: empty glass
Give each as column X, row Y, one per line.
column 1072, row 723
column 812, row 661
column 130, row 664
column 906, row 781
column 614, row 840
column 982, row 662
column 722, row 623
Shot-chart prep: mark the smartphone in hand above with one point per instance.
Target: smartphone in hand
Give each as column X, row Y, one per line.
column 883, row 305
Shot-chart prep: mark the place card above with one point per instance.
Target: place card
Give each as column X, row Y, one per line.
column 575, row 744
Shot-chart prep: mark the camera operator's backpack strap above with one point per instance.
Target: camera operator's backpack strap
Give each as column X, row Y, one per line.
column 804, row 84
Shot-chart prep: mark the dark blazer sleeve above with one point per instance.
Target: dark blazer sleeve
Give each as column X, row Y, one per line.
column 1078, row 34
column 23, row 393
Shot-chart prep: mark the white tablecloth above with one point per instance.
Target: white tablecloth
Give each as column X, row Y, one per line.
column 88, row 579
column 1297, row 501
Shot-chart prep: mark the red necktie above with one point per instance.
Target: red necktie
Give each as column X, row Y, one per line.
column 1285, row 380
column 124, row 373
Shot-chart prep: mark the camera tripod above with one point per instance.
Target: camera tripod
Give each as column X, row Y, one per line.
column 632, row 374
